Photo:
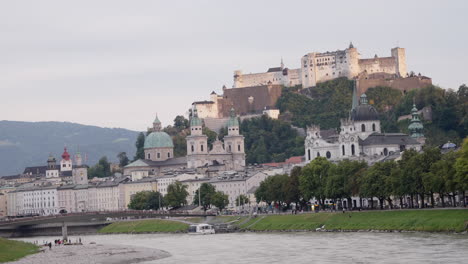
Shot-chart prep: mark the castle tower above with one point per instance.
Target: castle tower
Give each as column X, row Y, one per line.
column 237, row 79
column 400, row 58
column 416, row 127
column 234, row 143
column 66, row 162
column 197, row 143
column 352, row 57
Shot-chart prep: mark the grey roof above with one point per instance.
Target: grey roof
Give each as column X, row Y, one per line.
column 328, row 133
column 151, row 163
column 35, row 170
column 364, row 112
column 275, row 69
column 388, row 139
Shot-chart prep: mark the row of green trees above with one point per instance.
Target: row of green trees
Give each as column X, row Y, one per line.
column 417, row 176
column 176, row 197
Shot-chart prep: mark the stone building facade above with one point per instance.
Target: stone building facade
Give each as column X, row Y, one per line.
column 323, row 66
column 230, row 153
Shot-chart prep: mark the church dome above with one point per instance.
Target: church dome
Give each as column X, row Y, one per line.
column 364, row 112
column 158, row 139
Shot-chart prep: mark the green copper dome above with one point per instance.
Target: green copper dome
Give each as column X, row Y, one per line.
column 195, row 121
column 233, row 122
column 158, row 140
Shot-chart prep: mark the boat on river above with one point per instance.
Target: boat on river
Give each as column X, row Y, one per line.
column 201, row 229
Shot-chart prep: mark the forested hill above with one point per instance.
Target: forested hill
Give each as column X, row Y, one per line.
column 325, row 104
column 30, row 143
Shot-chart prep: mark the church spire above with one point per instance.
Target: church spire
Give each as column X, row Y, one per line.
column 415, row 127
column 355, row 99
column 282, row 64
column 156, row 124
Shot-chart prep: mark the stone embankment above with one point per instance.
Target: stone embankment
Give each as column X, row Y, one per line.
column 93, row 253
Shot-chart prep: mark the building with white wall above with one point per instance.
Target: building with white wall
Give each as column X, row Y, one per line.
column 359, row 137
column 319, row 67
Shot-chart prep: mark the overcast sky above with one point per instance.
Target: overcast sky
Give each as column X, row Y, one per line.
column 116, row 63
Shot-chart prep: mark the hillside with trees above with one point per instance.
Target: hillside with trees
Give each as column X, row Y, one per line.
column 325, row 104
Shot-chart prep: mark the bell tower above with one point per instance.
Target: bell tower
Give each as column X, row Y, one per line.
column 197, row 143
column 234, row 142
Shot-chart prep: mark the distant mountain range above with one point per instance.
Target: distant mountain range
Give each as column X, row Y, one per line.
column 30, row 143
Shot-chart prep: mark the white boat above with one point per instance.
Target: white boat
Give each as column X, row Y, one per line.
column 201, row 229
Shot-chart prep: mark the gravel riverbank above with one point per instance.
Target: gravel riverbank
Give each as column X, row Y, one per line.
column 94, row 253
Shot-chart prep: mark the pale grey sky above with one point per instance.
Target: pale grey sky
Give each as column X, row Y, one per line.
column 116, row 63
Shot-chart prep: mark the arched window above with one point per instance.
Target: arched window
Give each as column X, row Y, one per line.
column 193, row 149
column 308, row 154
column 328, row 154
column 149, row 156
column 385, row 151
column 373, row 127
column 352, row 150
column 363, row 128
column 342, row 150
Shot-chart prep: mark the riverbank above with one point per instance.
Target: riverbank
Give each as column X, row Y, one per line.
column 11, row 250
column 404, row 220
column 94, row 253
column 145, row 226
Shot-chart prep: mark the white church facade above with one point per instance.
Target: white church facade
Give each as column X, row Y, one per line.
column 359, row 137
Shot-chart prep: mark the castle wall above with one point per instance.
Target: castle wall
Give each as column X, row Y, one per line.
column 387, row 65
column 207, row 109
column 257, row 79
column 249, row 99
column 402, row 84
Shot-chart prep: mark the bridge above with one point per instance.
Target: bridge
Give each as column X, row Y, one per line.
column 89, row 218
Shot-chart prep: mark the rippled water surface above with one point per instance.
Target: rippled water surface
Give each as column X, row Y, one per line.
column 298, row 247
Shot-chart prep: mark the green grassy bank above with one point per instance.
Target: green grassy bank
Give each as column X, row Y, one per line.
column 11, row 250
column 143, row 226
column 408, row 220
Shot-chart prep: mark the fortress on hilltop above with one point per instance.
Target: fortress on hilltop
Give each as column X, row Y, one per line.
column 319, row 67
column 256, row 94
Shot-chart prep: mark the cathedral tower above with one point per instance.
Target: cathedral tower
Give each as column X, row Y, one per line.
column 197, row 143
column 234, row 142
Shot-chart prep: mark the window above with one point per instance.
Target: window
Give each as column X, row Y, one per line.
column 318, row 154
column 308, row 154
column 230, row 148
column 342, row 150
column 168, row 154
column 373, row 127
column 238, row 148
column 328, row 154
column 363, row 128
column 352, row 150
column 385, row 151
column 159, row 155
column 193, row 149
column 149, row 156
column 201, row 147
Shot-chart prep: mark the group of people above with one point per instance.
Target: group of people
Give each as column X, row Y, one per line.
column 58, row 242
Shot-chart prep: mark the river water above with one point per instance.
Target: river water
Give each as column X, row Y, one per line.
column 307, row 247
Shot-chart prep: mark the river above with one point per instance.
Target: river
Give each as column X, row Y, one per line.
column 307, row 247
